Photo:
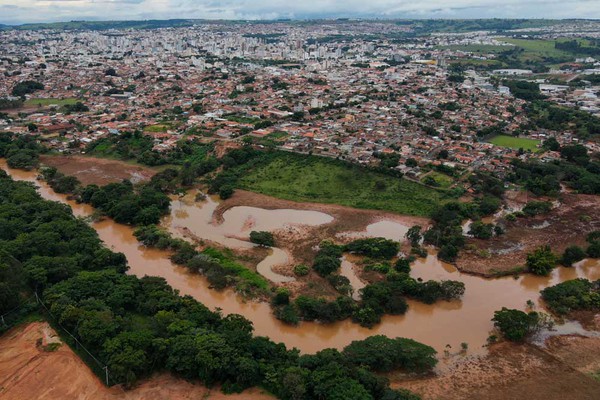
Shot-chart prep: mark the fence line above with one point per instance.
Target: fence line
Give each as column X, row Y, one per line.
column 100, row 364
column 39, row 301
column 8, row 313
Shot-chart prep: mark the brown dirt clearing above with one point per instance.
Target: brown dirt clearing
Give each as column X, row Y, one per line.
column 99, row 171
column 27, row 372
column 516, row 371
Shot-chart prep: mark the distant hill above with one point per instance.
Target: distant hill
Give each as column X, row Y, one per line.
column 104, row 25
column 420, row 26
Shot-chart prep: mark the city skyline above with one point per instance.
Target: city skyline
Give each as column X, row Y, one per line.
column 31, row 11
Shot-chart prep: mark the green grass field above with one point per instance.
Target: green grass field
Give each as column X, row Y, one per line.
column 444, row 181
column 478, row 48
column 537, row 48
column 515, row 142
column 48, row 102
column 320, row 180
column 158, row 128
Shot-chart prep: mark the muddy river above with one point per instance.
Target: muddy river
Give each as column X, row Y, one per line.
column 438, row 325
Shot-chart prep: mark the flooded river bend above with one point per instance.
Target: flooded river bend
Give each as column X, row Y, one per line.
column 467, row 320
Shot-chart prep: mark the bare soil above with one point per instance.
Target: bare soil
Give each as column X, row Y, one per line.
column 564, row 226
column 99, row 171
column 517, row 371
column 28, row 371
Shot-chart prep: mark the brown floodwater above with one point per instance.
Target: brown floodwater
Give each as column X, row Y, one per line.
column 197, row 218
column 440, row 324
column 386, row 229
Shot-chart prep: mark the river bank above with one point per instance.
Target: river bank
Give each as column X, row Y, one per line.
column 438, row 325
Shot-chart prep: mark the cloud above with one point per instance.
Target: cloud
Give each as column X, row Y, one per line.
column 20, row 11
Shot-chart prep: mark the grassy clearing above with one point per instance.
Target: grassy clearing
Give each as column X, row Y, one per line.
column 248, row 277
column 537, row 48
column 316, row 179
column 442, row 180
column 516, row 143
column 158, row 128
column 48, row 102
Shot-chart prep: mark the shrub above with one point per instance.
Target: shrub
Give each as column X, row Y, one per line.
column 374, row 247
column 515, row 325
column 301, row 270
column 537, row 208
column 572, row 255
column 325, row 265
column 541, row 261
column 576, row 294
column 481, row 230
column 262, row 238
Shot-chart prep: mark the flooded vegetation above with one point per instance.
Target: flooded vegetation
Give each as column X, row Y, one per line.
column 439, row 324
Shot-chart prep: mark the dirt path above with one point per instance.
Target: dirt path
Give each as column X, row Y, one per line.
column 512, row 371
column 28, row 371
column 99, row 171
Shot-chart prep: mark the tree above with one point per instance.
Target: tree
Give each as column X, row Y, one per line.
column 515, row 325
column 374, row 247
column 551, row 144
column 262, row 238
column 572, row 254
column 576, row 294
column 414, row 235
column 576, row 153
column 383, row 354
column 226, row 192
column 301, row 270
column 481, row 230
column 411, row 162
column 541, row 261
column 325, row 265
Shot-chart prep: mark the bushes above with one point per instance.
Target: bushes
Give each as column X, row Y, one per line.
column 541, row 261
column 516, row 325
column 26, row 87
column 128, row 205
column 388, row 297
column 374, row 247
column 481, row 230
column 301, row 270
column 576, row 294
column 382, row 354
column 311, row 309
column 537, row 207
column 325, row 265
column 327, row 260
column 593, row 249
column 572, row 254
column 262, row 238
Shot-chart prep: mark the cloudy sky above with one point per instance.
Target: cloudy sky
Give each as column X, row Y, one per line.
column 21, row 11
